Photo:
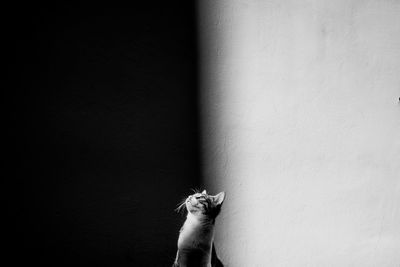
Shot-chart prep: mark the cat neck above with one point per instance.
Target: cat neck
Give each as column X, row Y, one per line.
column 199, row 227
column 195, row 240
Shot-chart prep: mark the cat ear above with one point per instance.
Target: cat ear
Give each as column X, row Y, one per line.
column 204, row 192
column 219, row 198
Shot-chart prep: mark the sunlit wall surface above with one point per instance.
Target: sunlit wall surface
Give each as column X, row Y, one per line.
column 301, row 120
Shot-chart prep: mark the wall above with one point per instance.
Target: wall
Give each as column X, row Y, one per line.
column 301, row 120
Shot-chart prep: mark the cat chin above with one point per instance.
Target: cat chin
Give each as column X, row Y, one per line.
column 193, row 210
column 191, row 205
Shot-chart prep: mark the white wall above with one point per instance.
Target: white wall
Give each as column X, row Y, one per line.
column 302, row 130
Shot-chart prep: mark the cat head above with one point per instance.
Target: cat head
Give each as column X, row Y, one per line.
column 203, row 204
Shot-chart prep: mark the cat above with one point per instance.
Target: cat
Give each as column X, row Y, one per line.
column 195, row 242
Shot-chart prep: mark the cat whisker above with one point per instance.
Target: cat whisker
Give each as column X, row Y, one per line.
column 195, row 190
column 181, row 205
column 180, row 208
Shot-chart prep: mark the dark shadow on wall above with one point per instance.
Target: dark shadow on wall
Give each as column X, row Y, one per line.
column 104, row 132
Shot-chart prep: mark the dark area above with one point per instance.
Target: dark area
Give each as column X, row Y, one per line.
column 102, row 130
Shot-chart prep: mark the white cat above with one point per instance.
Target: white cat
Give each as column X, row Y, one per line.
column 195, row 242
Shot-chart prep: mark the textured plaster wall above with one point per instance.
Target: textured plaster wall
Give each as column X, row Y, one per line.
column 302, row 130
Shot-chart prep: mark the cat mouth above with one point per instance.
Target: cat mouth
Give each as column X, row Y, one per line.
column 196, row 202
column 193, row 201
column 190, row 201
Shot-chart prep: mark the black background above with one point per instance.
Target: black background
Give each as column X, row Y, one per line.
column 102, row 132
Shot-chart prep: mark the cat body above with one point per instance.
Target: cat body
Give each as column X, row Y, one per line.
column 195, row 242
